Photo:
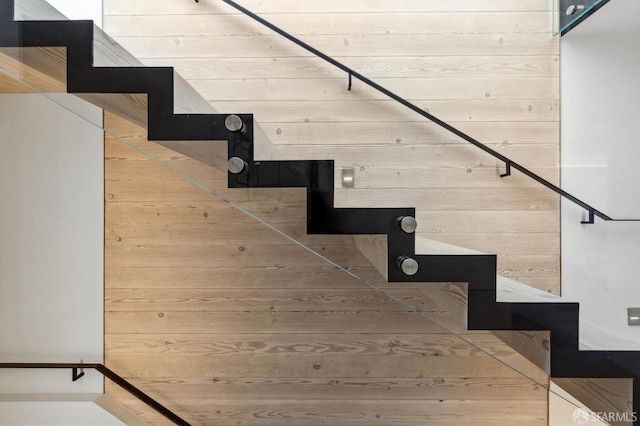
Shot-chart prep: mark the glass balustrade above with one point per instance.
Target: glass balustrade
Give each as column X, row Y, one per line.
column 231, row 276
column 186, row 245
column 570, row 13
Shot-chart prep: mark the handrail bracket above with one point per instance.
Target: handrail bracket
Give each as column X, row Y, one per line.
column 508, row 170
column 77, row 375
column 592, row 218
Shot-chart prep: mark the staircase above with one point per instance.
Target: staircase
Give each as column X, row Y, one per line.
column 120, row 84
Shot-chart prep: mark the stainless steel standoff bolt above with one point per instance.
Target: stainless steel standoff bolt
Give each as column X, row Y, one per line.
column 236, row 165
column 407, row 223
column 574, row 8
column 233, row 123
column 408, row 265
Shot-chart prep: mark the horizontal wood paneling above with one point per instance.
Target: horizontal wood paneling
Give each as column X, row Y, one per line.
column 280, row 300
column 332, row 23
column 421, row 67
column 200, row 233
column 390, row 111
column 124, row 7
column 268, row 322
column 251, row 254
column 493, row 199
column 490, row 68
column 259, row 388
column 251, row 413
column 488, row 222
column 199, row 295
column 276, row 411
column 472, row 176
column 332, row 366
column 295, row 89
column 355, row 45
column 251, row 277
column 303, row 327
column 437, row 159
column 381, row 134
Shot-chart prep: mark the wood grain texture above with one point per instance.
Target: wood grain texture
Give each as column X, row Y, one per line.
column 489, row 68
column 281, row 300
column 332, row 23
column 602, row 395
column 534, row 345
column 296, row 89
column 355, row 45
column 11, row 85
column 228, row 322
column 278, row 412
column 38, row 69
column 374, row 67
column 252, row 277
column 259, row 388
column 161, row 7
column 33, row 69
column 281, row 338
column 374, row 248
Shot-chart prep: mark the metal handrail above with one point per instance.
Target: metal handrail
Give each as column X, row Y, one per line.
column 592, row 211
column 77, row 372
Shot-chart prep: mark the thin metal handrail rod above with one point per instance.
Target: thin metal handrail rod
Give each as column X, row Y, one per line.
column 354, row 74
column 108, row 373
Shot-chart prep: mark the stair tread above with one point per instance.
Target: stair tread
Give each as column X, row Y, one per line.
column 109, row 53
column 592, row 337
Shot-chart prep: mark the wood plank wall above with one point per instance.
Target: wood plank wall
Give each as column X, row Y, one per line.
column 229, row 323
column 488, row 67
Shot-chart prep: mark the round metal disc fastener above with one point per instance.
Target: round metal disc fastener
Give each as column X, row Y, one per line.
column 407, row 223
column 236, row 165
column 233, row 123
column 573, row 9
column 408, row 265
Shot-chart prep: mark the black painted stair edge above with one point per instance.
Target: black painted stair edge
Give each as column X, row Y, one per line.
column 484, row 312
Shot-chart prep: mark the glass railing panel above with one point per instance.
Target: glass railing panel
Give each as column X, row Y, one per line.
column 598, row 127
column 571, row 12
column 214, row 293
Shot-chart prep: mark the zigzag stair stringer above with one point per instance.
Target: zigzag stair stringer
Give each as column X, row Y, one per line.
column 479, row 271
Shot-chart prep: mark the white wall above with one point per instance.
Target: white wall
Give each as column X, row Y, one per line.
column 51, row 245
column 56, row 413
column 600, row 65
column 51, row 251
column 75, row 9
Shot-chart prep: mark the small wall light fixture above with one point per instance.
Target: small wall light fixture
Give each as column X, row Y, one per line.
column 348, row 178
column 633, row 316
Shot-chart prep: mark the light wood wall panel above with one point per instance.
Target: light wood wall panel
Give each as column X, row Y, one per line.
column 227, row 322
column 164, row 7
column 488, row 67
column 206, row 24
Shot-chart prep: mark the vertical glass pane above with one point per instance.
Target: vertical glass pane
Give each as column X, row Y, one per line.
column 571, row 12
